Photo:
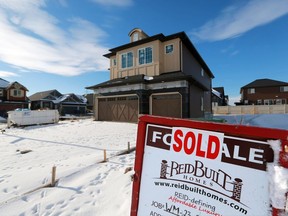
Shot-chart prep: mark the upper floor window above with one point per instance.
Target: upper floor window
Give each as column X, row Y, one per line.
column 202, row 72
column 251, row 91
column 145, row 55
column 17, row 93
column 135, row 36
column 1, row 92
column 284, row 89
column 114, row 62
column 169, row 48
column 127, row 60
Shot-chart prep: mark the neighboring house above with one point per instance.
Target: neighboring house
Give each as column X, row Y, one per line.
column 218, row 97
column 12, row 96
column 264, row 92
column 66, row 104
column 157, row 75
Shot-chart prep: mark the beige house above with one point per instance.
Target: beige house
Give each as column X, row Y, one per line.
column 157, row 75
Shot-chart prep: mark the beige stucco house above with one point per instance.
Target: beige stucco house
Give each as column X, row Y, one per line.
column 158, row 75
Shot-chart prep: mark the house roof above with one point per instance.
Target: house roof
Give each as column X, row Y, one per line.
column 41, row 95
column 165, row 77
column 219, row 89
column 163, row 38
column 264, row 83
column 16, row 83
column 4, row 83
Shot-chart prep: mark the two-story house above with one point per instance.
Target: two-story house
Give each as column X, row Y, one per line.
column 12, row 96
column 158, row 75
column 264, row 92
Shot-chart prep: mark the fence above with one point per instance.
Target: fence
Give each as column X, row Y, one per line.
column 250, row 109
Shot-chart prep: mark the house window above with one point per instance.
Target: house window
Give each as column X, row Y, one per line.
column 136, row 37
column 268, row 102
column 202, row 72
column 251, row 91
column 16, row 93
column 259, row 102
column 114, row 62
column 169, row 48
column 127, row 60
column 1, row 92
column 145, row 55
column 284, row 89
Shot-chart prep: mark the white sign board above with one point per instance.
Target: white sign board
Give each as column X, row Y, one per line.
column 195, row 172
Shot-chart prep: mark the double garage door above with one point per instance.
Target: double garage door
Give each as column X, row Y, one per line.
column 123, row 109
column 126, row 108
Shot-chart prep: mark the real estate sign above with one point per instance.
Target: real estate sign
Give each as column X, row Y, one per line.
column 194, row 168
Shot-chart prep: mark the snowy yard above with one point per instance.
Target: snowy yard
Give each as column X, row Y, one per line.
column 85, row 186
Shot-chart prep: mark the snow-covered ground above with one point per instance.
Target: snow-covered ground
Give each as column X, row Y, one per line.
column 85, row 186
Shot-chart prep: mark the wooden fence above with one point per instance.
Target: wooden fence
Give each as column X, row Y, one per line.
column 250, row 109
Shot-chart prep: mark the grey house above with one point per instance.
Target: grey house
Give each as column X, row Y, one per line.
column 66, row 104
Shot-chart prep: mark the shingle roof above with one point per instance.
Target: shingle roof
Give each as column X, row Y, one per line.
column 4, row 83
column 41, row 95
column 264, row 83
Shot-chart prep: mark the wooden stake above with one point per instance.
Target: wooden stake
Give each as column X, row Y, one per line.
column 53, row 181
column 105, row 155
column 128, row 146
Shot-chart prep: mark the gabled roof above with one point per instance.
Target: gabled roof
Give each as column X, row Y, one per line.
column 265, row 83
column 44, row 94
column 182, row 35
column 4, row 83
column 17, row 83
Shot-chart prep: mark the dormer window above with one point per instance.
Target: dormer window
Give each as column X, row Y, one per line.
column 135, row 36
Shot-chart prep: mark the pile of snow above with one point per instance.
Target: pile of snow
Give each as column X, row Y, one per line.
column 85, row 186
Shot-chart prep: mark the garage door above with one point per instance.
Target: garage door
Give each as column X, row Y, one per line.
column 169, row 105
column 123, row 109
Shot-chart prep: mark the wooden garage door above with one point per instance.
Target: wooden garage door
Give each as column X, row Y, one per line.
column 169, row 105
column 124, row 109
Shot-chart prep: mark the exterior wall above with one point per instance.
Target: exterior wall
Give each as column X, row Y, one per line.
column 196, row 104
column 193, row 68
column 151, row 69
column 8, row 106
column 12, row 97
column 272, row 93
column 162, row 62
column 250, row 109
column 171, row 61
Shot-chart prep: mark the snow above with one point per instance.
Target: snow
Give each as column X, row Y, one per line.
column 85, row 185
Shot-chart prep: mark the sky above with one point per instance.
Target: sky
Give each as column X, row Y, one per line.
column 59, row 44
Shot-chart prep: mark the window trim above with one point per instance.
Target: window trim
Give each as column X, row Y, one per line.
column 283, row 88
column 145, row 60
column 126, row 53
column 251, row 91
column 165, row 49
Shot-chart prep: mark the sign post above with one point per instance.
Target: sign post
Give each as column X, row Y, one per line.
column 185, row 168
